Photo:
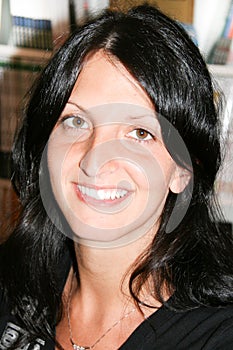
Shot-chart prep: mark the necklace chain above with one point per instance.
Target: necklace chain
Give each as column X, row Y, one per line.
column 79, row 347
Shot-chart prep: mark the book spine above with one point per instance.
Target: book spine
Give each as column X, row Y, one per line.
column 228, row 23
column 27, row 32
column 9, row 206
column 48, row 35
column 230, row 35
column 32, row 33
column 16, row 79
column 15, row 30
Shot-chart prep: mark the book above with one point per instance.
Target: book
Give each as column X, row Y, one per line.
column 0, row 14
column 31, row 33
column 16, row 77
column 18, row 70
column 230, row 54
column 9, row 206
column 5, row 21
column 221, row 52
column 39, row 24
column 228, row 28
column 224, row 181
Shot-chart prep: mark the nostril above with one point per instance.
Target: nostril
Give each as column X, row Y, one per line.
column 98, row 168
column 101, row 159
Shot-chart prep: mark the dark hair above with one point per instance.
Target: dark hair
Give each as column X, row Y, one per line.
column 194, row 260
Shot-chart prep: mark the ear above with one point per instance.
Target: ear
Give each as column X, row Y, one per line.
column 180, row 179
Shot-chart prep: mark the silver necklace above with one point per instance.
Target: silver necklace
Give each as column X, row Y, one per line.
column 73, row 343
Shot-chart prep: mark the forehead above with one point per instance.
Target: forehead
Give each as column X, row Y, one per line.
column 105, row 80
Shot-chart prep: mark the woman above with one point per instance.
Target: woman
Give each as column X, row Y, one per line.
column 118, row 244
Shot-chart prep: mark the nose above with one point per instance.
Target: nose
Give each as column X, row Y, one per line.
column 100, row 156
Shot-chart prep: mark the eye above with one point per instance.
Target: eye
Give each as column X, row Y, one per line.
column 141, row 135
column 75, row 122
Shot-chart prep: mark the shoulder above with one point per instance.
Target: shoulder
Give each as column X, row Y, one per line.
column 205, row 328
column 201, row 328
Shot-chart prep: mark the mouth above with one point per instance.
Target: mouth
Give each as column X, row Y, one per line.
column 95, row 195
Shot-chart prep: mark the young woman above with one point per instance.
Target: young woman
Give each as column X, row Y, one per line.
column 118, row 244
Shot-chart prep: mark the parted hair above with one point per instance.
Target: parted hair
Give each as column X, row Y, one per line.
column 193, row 260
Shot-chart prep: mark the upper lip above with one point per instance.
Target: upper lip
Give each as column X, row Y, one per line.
column 104, row 187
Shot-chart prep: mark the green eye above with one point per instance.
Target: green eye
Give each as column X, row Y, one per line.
column 76, row 122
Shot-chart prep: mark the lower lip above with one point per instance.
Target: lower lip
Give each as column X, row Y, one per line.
column 98, row 202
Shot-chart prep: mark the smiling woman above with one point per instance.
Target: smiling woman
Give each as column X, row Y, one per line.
column 118, row 244
column 96, row 155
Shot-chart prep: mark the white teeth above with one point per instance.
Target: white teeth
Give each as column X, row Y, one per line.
column 86, row 190
column 123, row 193
column 113, row 194
column 102, row 194
column 92, row 193
column 108, row 195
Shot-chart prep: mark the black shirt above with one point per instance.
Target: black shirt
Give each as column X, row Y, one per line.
column 203, row 328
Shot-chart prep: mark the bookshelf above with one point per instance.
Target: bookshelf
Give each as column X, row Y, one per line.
column 223, row 75
column 9, row 51
column 218, row 70
column 18, row 68
column 29, row 31
column 9, row 205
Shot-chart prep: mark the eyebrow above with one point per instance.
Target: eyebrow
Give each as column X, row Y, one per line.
column 129, row 116
column 78, row 106
column 136, row 117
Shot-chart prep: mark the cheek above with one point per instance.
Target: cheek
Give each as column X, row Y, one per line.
column 64, row 151
column 62, row 165
column 56, row 163
column 152, row 172
column 151, row 167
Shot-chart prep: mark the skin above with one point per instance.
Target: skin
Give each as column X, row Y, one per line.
column 145, row 167
column 110, row 141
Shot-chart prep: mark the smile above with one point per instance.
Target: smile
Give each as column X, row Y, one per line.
column 102, row 194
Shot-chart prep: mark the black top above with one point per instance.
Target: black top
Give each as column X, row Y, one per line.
column 202, row 328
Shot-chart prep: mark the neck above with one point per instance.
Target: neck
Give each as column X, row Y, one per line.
column 104, row 273
column 102, row 299
column 104, row 269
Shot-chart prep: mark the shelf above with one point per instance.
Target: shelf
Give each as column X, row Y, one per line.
column 221, row 70
column 22, row 53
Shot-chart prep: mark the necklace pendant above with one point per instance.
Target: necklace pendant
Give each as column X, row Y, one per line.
column 77, row 347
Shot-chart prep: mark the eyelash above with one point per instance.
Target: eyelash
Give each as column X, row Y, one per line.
column 73, row 117
column 152, row 137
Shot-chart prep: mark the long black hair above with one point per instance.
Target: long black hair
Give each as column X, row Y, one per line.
column 194, row 260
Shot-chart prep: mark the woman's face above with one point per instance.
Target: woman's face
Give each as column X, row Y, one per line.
column 109, row 169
